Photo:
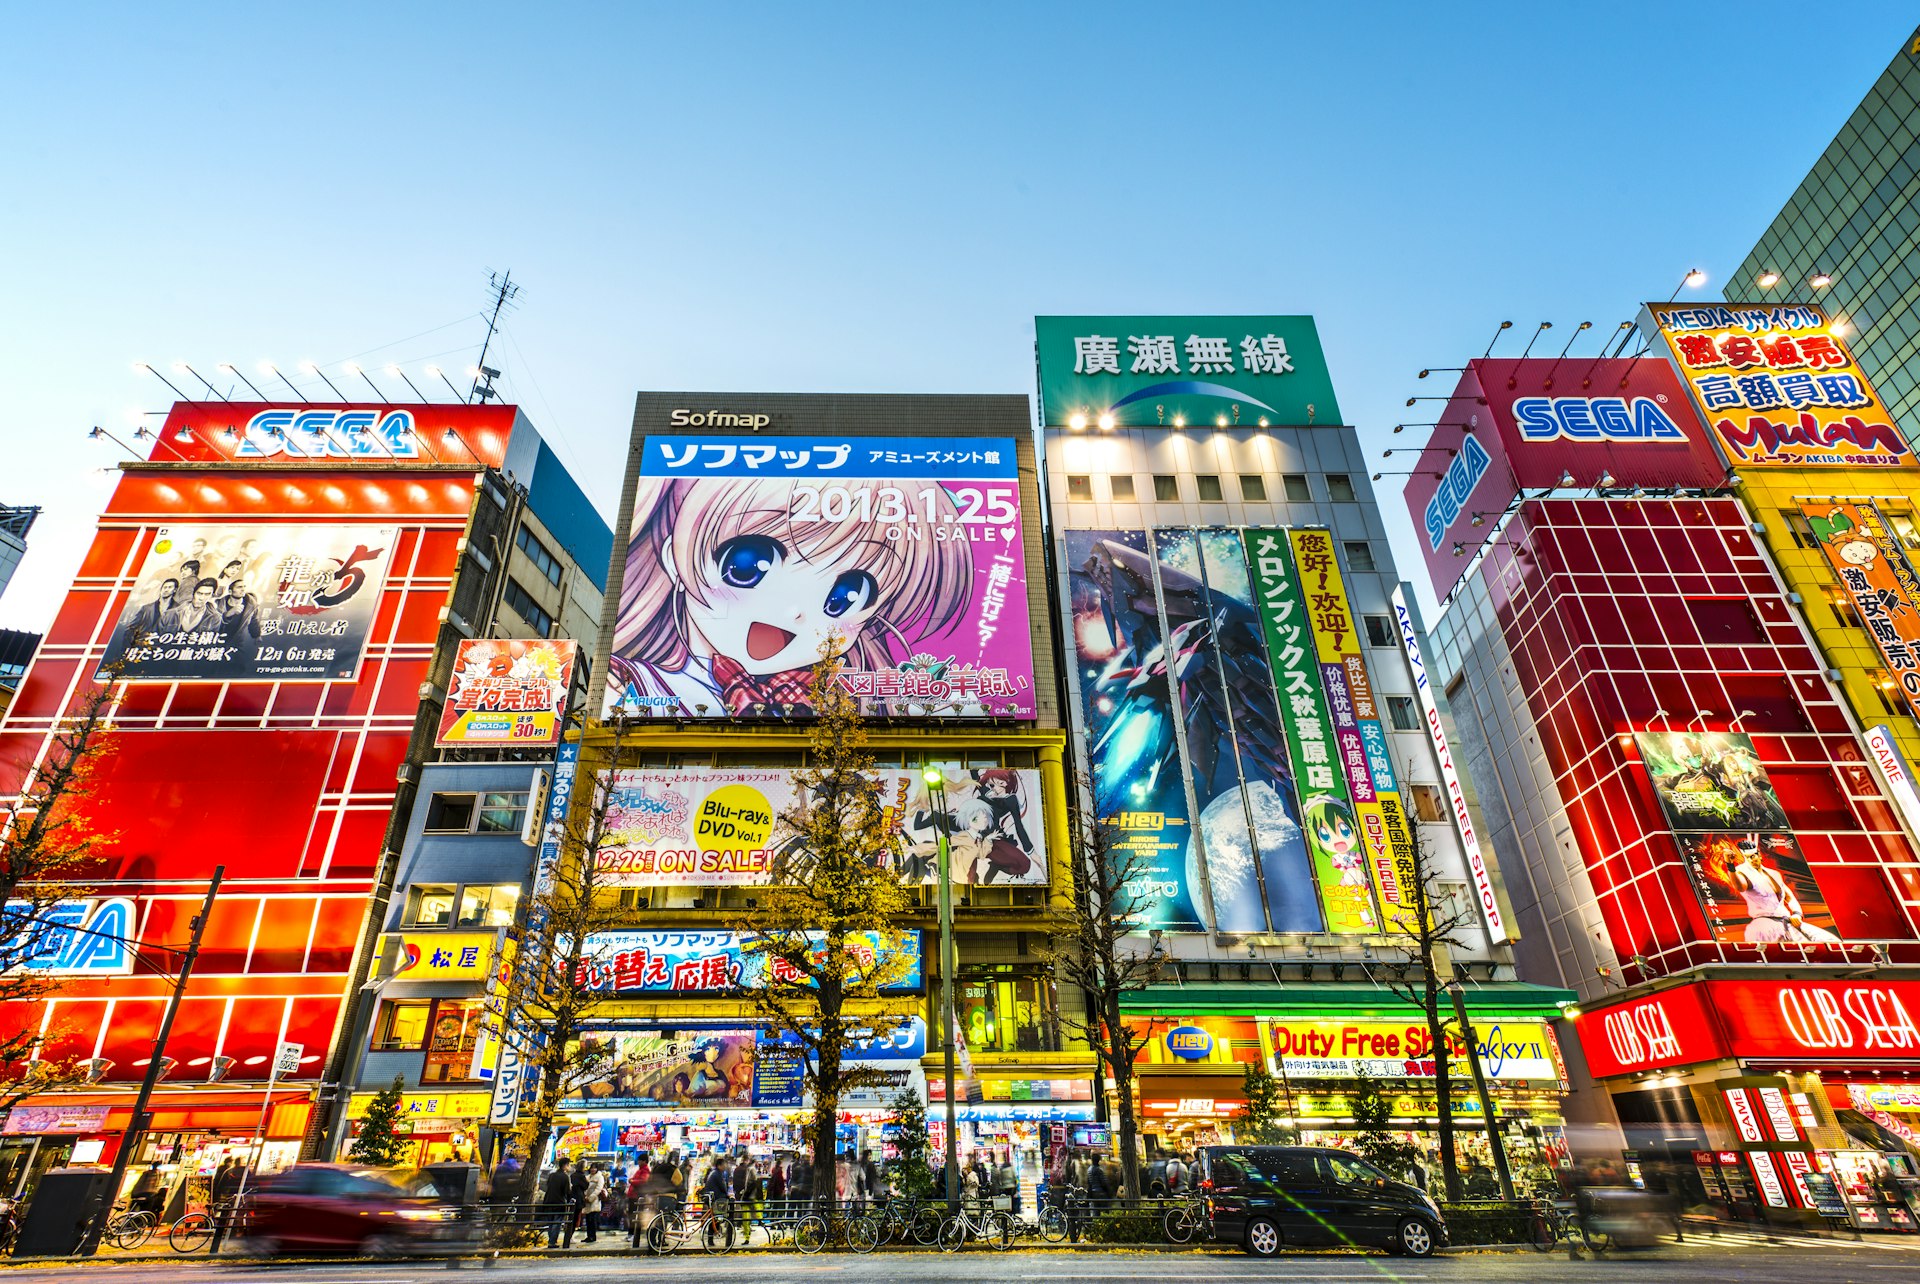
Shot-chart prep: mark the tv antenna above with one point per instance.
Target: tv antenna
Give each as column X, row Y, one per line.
column 500, row 285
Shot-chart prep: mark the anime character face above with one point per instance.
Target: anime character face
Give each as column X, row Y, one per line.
column 1331, row 828
column 769, row 608
column 1856, row 552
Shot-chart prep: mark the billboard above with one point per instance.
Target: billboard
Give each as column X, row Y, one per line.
column 251, row 603
column 343, row 435
column 1779, row 387
column 1172, row 371
column 708, row 1069
column 507, row 691
column 1757, row 889
column 1879, row 581
column 715, row 962
column 1710, row 780
column 1522, row 424
column 724, row 826
column 750, row 556
column 82, row 937
column 1333, row 1048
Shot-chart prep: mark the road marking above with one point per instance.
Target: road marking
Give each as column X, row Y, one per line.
column 1263, row 1275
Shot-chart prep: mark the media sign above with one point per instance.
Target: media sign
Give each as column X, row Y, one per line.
column 507, row 691
column 748, row 557
column 1173, row 371
column 1780, row 387
column 353, row 435
column 229, row 602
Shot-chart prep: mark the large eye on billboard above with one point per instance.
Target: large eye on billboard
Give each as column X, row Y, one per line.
column 507, row 691
column 750, row 557
column 240, row 603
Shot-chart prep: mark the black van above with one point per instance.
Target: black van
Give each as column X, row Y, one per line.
column 1266, row 1197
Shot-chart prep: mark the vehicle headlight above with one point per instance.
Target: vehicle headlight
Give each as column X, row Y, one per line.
column 425, row 1214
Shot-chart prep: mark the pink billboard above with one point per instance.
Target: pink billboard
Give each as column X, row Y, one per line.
column 1514, row 425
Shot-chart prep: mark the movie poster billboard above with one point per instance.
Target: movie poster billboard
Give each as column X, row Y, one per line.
column 1757, row 889
column 1136, row 776
column 721, row 962
column 1247, row 844
column 251, row 603
column 1710, row 780
column 1779, row 387
column 1333, row 839
column 750, row 556
column 726, row 826
column 507, row 691
column 1879, row 581
column 704, row 1069
column 1359, row 737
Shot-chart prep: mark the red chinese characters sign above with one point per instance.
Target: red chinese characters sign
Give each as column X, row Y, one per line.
column 507, row 691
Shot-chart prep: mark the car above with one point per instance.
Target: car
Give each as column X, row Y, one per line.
column 1270, row 1197
column 354, row 1208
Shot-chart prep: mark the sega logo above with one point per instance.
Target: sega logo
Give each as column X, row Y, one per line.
column 1189, row 1042
column 1594, row 419
column 1462, row 475
column 329, row 434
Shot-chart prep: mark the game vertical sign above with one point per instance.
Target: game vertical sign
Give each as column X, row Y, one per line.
column 1326, row 811
column 1360, row 738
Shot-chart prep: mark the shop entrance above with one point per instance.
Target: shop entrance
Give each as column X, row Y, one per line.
column 23, row 1160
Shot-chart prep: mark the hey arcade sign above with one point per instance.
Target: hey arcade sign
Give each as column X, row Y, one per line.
column 1815, row 1022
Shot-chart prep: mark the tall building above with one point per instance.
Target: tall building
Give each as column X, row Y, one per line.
column 15, row 522
column 1254, row 731
column 1647, row 568
column 277, row 595
column 1849, row 237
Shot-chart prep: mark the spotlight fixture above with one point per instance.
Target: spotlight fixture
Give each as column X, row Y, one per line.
column 1820, row 280
column 1769, row 279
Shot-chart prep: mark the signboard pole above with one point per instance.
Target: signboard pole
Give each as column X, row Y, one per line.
column 286, row 1060
column 937, row 784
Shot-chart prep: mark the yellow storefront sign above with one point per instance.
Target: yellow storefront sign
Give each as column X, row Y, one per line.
column 1330, row 1048
column 428, row 1105
column 444, row 956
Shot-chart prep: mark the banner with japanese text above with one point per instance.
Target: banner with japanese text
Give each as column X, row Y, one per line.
column 1779, row 387
column 1879, row 581
column 507, row 691
column 749, row 557
column 1339, row 860
column 721, row 962
column 1359, row 737
column 251, row 603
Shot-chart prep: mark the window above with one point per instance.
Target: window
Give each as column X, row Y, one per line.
column 1006, row 1009
column 1359, row 555
column 451, row 813
column 1379, row 630
column 1429, row 803
column 529, row 610
column 1122, row 486
column 1340, row 488
column 1903, row 528
column 503, row 813
column 488, row 904
column 1400, row 713
column 1349, row 1171
column 1800, row 528
column 1079, row 487
column 401, row 1026
column 1209, row 486
column 1295, row 487
column 454, row 1030
column 547, row 564
column 1165, row 488
column 429, row 905
column 1252, row 489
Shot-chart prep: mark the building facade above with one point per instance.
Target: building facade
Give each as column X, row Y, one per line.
column 1251, row 725
column 276, row 596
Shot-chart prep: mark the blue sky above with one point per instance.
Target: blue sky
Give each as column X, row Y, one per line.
column 855, row 198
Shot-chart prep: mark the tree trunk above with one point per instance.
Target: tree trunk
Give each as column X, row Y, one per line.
column 826, row 1088
column 544, row 1108
column 1443, row 1099
column 1118, row 1048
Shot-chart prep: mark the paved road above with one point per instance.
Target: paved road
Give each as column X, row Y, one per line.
column 1731, row 1260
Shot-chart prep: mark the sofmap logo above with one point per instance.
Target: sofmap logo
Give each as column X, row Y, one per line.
column 1463, row 474
column 329, row 434
column 1594, row 419
column 717, row 419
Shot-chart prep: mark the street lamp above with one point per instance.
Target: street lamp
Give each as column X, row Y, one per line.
column 949, row 961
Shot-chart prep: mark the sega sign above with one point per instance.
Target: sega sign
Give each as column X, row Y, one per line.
column 84, row 937
column 329, row 434
column 1462, row 475
column 1189, row 1043
column 1594, row 419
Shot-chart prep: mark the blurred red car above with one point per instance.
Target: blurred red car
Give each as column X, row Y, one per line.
column 381, row 1212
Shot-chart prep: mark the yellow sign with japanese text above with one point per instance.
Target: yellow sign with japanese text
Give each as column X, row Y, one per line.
column 445, row 956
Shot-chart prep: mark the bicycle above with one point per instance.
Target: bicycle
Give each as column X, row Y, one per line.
column 981, row 1221
column 903, row 1218
column 9, row 1226
column 131, row 1227
column 1064, row 1211
column 1554, row 1221
column 1187, row 1220
column 858, row 1231
column 672, row 1228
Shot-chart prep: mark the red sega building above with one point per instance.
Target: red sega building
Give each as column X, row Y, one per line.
column 1679, row 795
column 285, row 776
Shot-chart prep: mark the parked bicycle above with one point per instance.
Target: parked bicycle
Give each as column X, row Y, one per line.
column 1554, row 1221
column 858, row 1230
column 979, row 1221
column 904, row 1218
column 674, row 1228
column 1066, row 1209
column 131, row 1227
column 1188, row 1220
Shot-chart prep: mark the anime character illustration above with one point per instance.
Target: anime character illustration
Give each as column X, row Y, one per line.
column 1331, row 830
column 987, row 835
column 1711, row 780
column 1772, row 887
column 736, row 586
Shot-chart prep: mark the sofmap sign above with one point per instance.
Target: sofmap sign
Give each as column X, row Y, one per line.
column 1831, row 1022
column 1173, row 371
column 84, row 937
column 1449, row 777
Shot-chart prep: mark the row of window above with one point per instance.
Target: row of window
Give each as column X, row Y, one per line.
column 1208, row 488
column 529, row 610
column 461, row 905
column 497, row 812
column 547, row 564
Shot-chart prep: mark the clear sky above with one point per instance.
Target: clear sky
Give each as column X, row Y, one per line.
column 853, row 198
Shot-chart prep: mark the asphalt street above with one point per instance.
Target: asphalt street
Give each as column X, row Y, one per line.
column 1736, row 1260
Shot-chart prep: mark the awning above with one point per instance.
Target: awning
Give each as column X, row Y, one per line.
column 185, row 1111
column 1491, row 998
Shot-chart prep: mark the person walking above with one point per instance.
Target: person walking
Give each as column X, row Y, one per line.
column 593, row 1192
column 225, row 1194
column 1006, row 1184
column 1176, row 1174
column 556, row 1201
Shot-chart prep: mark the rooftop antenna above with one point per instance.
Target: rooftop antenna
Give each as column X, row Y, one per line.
column 504, row 290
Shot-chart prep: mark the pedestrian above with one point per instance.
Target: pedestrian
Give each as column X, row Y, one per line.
column 149, row 1191
column 752, row 1190
column 593, row 1192
column 717, row 1189
column 225, row 1195
column 1006, row 1184
column 1176, row 1174
column 1099, row 1186
column 556, row 1203
column 870, row 1171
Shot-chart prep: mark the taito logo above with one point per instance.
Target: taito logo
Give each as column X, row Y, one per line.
column 1641, row 1034
column 1869, row 1018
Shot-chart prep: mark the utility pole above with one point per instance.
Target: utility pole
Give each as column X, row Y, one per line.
column 504, row 290
column 137, row 1125
column 1494, row 1139
column 949, row 959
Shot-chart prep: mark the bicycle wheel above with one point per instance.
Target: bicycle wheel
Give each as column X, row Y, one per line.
column 1053, row 1225
column 133, row 1230
column 664, row 1233
column 716, row 1236
column 925, row 1227
column 999, row 1230
column 191, row 1233
column 1178, row 1225
column 863, row 1233
column 1595, row 1239
column 1545, row 1235
column 953, row 1233
column 810, row 1233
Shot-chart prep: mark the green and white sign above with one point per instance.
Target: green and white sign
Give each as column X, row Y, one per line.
column 1100, row 372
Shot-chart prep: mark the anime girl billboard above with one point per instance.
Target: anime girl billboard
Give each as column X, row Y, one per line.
column 748, row 557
